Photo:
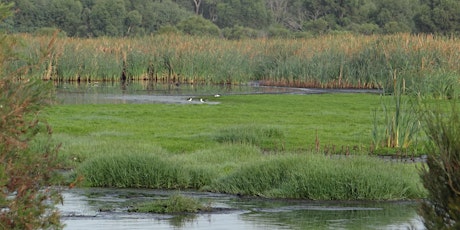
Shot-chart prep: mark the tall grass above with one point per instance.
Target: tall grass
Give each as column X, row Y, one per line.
column 336, row 61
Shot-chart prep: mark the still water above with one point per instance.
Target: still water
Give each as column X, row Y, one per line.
column 101, row 208
column 143, row 92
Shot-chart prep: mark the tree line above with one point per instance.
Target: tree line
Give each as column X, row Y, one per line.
column 234, row 18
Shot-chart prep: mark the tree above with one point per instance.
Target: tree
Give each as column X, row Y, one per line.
column 439, row 16
column 197, row 4
column 247, row 13
column 197, row 25
column 394, row 15
column 133, row 23
column 161, row 13
column 28, row 157
column 107, row 18
column 65, row 15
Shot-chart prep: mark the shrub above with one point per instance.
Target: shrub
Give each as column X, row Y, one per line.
column 28, row 157
column 441, row 176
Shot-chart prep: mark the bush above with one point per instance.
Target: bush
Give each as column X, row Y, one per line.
column 441, row 176
column 28, row 157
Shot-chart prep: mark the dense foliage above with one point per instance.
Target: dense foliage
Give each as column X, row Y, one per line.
column 253, row 18
column 441, row 177
column 27, row 156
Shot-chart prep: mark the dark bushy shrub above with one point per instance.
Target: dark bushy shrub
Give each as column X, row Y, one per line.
column 441, row 176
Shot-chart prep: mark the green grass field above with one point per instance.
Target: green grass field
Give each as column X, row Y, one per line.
column 221, row 147
column 337, row 119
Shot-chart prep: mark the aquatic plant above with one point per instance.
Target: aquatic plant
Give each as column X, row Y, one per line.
column 330, row 61
column 174, row 204
column 401, row 124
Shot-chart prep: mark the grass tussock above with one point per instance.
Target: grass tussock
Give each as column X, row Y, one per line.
column 319, row 177
column 141, row 171
column 269, row 138
column 312, row 176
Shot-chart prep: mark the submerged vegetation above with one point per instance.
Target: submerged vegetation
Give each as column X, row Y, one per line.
column 174, row 204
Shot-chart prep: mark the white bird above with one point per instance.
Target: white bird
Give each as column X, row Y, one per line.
column 190, row 99
column 201, row 100
column 217, row 95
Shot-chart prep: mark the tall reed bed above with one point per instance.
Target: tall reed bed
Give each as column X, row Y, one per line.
column 332, row 61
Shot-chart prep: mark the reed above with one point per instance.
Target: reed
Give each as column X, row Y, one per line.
column 332, row 61
column 401, row 126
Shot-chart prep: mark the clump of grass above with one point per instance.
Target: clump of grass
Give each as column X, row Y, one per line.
column 141, row 170
column 267, row 138
column 319, row 177
column 175, row 204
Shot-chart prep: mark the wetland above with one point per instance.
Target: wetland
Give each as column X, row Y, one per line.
column 107, row 208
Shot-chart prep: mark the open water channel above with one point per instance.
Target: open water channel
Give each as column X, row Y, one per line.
column 104, row 208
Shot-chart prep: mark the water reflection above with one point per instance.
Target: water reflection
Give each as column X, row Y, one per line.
column 98, row 208
column 149, row 92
